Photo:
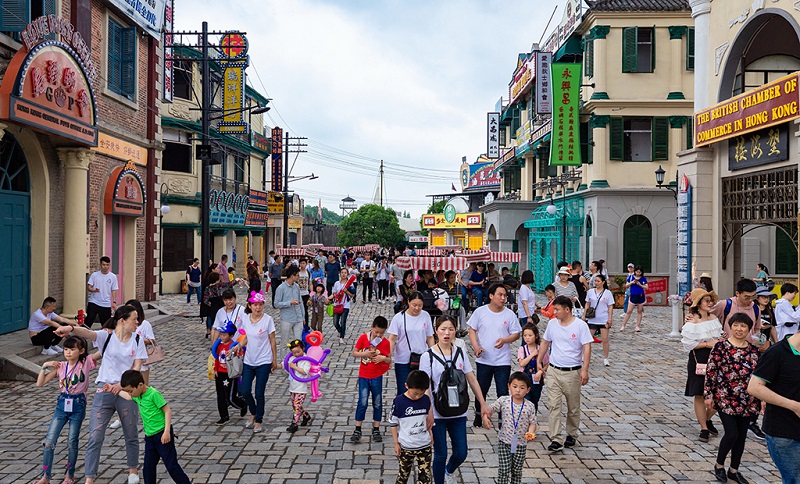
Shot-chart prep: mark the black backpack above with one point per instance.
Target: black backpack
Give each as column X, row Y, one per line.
column 452, row 382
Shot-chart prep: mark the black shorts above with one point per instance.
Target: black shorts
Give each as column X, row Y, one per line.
column 637, row 299
column 596, row 327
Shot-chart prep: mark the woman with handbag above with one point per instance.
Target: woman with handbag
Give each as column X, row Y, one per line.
column 410, row 334
column 599, row 311
column 698, row 337
column 341, row 294
column 260, row 359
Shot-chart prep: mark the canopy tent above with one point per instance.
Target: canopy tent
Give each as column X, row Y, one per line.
column 432, row 263
column 505, row 257
column 430, row 252
column 294, row 252
column 330, row 249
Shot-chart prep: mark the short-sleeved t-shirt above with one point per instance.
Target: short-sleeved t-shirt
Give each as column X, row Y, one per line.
column 779, row 366
column 299, row 386
column 490, row 327
column 368, row 369
column 477, row 276
column 524, row 415
column 194, row 274
column 410, row 416
column 35, row 323
column 303, row 282
column 600, row 303
column 566, row 342
column 221, row 361
column 106, row 283
column 434, row 369
column 118, row 356
column 419, row 329
column 259, row 346
column 151, row 407
column 74, row 380
column 332, row 271
column 636, row 289
column 526, row 294
column 223, row 317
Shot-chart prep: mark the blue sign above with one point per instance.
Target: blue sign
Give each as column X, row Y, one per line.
column 684, row 236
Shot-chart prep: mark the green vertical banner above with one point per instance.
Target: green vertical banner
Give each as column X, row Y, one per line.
column 565, row 82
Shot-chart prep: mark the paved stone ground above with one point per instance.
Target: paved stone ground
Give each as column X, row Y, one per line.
column 637, row 426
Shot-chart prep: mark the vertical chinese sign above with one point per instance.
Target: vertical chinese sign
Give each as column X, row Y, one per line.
column 169, row 73
column 234, row 50
column 565, row 147
column 492, row 135
column 277, row 159
column 684, row 236
column 544, row 103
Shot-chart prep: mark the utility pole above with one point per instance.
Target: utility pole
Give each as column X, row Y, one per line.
column 205, row 189
column 381, row 184
column 288, row 148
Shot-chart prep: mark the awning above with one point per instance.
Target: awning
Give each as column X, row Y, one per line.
column 540, row 141
column 571, row 47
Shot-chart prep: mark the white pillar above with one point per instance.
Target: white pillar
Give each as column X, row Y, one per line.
column 76, row 186
column 701, row 10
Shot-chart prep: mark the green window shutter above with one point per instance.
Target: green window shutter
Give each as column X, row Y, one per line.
column 785, row 253
column 589, row 58
column 617, row 139
column 49, row 8
column 515, row 121
column 690, row 49
column 660, row 138
column 690, row 133
column 589, row 145
column 128, row 74
column 653, row 49
column 630, row 43
column 114, row 71
column 16, row 15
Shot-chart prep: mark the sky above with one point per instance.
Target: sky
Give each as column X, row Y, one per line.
column 404, row 81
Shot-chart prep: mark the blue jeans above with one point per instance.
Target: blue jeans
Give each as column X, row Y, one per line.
column 103, row 407
column 480, row 294
column 365, row 387
column 61, row 418
column 625, row 304
column 340, row 322
column 535, row 394
column 261, row 375
column 154, row 451
column 485, row 373
column 786, row 455
column 457, row 429
column 401, row 371
column 210, row 321
column 195, row 290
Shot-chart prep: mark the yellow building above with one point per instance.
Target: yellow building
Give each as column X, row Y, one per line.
column 744, row 168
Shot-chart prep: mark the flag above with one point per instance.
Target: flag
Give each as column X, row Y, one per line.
column 454, row 187
column 319, row 209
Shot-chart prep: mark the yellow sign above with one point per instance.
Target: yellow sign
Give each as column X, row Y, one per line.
column 295, row 223
column 233, row 99
column 117, row 148
column 472, row 220
column 275, row 203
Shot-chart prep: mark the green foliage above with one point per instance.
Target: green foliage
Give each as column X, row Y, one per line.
column 437, row 207
column 328, row 217
column 371, row 224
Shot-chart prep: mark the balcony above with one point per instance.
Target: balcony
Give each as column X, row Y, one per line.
column 230, row 186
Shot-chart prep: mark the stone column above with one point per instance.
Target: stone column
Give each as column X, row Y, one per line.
column 701, row 10
column 526, row 177
column 598, row 33
column 676, row 65
column 76, row 187
column 600, row 150
column 241, row 253
column 676, row 138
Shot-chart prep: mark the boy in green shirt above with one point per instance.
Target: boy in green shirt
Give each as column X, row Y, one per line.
column 157, row 420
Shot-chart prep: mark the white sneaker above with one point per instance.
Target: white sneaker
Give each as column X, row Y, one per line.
column 115, row 425
column 49, row 352
column 133, row 478
column 605, row 362
column 449, row 478
column 57, row 348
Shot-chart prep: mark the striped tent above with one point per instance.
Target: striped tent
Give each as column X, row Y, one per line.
column 432, row 263
column 330, row 249
column 430, row 252
column 294, row 252
column 505, row 256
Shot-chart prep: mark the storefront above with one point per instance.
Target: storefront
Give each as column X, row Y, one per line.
column 454, row 229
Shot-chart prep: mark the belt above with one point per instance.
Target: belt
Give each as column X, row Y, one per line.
column 572, row 368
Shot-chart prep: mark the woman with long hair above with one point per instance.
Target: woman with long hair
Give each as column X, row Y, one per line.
column 637, row 284
column 410, row 333
column 260, row 359
column 763, row 275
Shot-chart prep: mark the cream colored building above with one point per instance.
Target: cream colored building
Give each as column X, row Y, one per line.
column 745, row 204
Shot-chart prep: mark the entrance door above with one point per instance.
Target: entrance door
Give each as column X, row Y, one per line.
column 115, row 249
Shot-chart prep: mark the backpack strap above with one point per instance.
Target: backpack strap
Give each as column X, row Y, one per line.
column 433, row 355
column 728, row 303
column 105, row 345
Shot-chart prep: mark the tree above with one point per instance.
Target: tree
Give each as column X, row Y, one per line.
column 436, row 207
column 328, row 217
column 371, row 224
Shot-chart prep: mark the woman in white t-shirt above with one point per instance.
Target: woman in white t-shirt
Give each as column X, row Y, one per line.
column 456, row 426
column 230, row 313
column 410, row 331
column 259, row 359
column 602, row 301
column 340, row 297
column 527, row 299
column 304, row 282
column 122, row 350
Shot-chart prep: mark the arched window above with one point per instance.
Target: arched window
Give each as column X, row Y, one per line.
column 637, row 243
column 13, row 166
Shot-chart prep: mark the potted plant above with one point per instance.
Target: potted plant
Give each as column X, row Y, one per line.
column 617, row 286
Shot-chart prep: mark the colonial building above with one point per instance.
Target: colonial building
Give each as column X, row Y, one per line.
column 79, row 106
column 744, row 167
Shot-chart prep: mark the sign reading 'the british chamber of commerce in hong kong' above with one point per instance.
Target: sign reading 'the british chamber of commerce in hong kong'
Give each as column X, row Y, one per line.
column 48, row 83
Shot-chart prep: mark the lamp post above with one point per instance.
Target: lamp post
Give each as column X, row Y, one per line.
column 162, row 191
column 660, row 182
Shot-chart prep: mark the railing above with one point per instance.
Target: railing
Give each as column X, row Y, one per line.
column 231, row 186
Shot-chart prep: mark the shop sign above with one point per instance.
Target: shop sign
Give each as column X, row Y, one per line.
column 523, row 137
column 147, row 14
column 259, row 142
column 258, row 199
column 480, row 174
column 124, row 192
column 565, row 147
column 297, row 205
column 472, row 220
column 49, row 86
column 235, row 61
column 570, row 19
column 256, row 219
column 418, row 239
column 759, row 148
column 227, row 208
column 295, row 223
column 684, row 236
column 169, row 72
column 544, row 103
column 121, row 149
column 277, row 159
column 493, row 135
column 771, row 104
column 275, row 203
column 522, row 78
column 656, row 292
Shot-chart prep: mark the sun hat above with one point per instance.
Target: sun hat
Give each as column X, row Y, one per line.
column 256, row 297
column 698, row 295
column 564, row 270
column 764, row 291
column 705, row 274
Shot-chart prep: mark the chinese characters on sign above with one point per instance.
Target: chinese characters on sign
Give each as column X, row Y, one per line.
column 492, row 135
column 234, row 47
column 277, row 159
column 460, row 221
column 565, row 148
column 121, row 149
column 543, row 102
column 169, row 79
column 759, row 148
column 684, row 236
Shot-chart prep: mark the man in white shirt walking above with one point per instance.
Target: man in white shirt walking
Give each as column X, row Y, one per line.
column 567, row 371
column 786, row 316
column 367, row 269
column 102, row 287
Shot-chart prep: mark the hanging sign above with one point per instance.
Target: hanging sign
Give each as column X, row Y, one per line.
column 121, row 149
column 234, row 49
column 169, row 73
column 493, row 135
column 684, row 236
column 759, row 148
column 148, row 14
column 277, row 159
column 124, row 192
column 565, row 147
column 227, row 208
column 275, row 203
column 544, row 104
column 473, row 220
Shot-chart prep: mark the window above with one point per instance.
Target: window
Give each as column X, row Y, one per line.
column 177, row 157
column 586, row 144
column 121, row 73
column 690, row 49
column 690, row 133
column 238, row 168
column 639, row 139
column 183, row 80
column 15, row 15
column 785, row 253
column 638, row 49
column 637, row 243
column 178, row 248
column 589, row 57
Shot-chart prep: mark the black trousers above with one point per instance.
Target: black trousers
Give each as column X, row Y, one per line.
column 93, row 311
column 275, row 282
column 305, row 307
column 227, row 394
column 46, row 337
column 154, row 451
column 733, row 440
column 383, row 289
column 367, row 281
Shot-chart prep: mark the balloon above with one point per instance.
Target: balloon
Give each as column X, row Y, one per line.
column 315, row 356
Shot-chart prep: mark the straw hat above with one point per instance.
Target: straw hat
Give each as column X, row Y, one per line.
column 698, row 295
column 763, row 291
column 564, row 270
column 705, row 274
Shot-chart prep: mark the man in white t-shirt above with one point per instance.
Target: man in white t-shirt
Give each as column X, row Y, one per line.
column 568, row 370
column 42, row 327
column 367, row 270
column 492, row 329
column 102, row 287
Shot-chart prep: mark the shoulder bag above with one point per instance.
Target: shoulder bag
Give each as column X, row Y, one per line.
column 155, row 353
column 591, row 311
column 699, row 368
column 413, row 359
column 234, row 364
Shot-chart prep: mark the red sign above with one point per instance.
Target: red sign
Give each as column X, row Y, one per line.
column 124, row 192
column 258, row 198
column 234, row 45
column 256, row 219
column 277, row 159
column 486, row 176
column 656, row 292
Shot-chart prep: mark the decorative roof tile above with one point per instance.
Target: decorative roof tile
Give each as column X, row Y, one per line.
column 638, row 5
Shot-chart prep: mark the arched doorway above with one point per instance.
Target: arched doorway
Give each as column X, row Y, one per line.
column 637, row 242
column 15, row 225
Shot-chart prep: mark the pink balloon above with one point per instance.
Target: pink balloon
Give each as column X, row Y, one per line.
column 315, row 352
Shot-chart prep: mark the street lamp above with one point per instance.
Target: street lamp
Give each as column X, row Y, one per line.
column 255, row 109
column 660, row 182
column 163, row 191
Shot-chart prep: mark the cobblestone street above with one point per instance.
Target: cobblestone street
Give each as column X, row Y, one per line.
column 637, row 426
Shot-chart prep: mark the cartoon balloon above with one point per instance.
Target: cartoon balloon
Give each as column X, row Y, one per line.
column 315, row 356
